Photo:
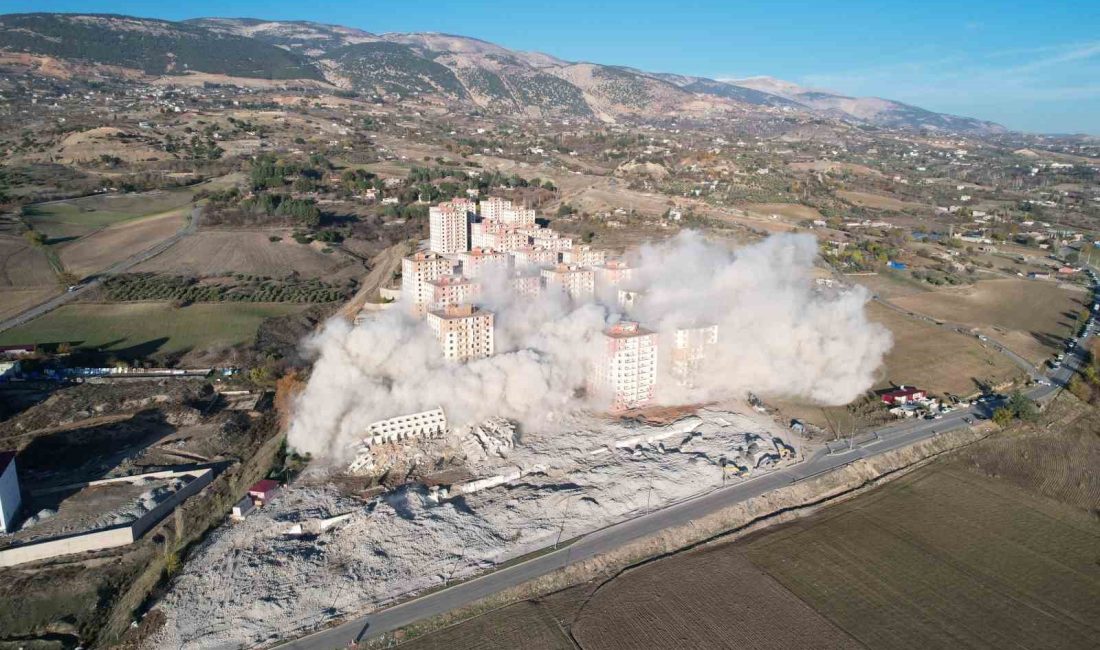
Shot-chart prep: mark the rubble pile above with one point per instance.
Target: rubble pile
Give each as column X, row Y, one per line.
column 314, row 554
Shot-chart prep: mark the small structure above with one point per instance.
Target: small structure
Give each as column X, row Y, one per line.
column 10, row 497
column 243, row 507
column 903, row 395
column 263, row 491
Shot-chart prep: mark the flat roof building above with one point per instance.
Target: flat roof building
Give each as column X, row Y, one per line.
column 584, row 256
column 613, row 274
column 498, row 236
column 449, row 226
column 464, row 332
column 417, row 272
column 577, row 282
column 478, row 261
column 550, row 239
column 453, row 290
column 533, row 257
column 502, row 211
column 627, row 368
column 524, row 283
column 691, row 346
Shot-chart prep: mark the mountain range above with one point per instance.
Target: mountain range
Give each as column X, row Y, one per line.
column 448, row 67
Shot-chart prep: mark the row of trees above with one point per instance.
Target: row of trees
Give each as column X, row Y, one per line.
column 186, row 289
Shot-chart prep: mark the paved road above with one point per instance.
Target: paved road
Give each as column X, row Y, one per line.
column 615, row 536
column 94, row 281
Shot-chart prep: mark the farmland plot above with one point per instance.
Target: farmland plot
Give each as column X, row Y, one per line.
column 1029, row 316
column 525, row 625
column 714, row 598
column 944, row 558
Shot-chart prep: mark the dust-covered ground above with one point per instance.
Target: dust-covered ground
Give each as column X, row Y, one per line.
column 253, row 582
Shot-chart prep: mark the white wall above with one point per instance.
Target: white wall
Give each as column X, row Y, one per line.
column 9, row 496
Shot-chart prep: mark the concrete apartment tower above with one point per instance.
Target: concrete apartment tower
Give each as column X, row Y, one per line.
column 627, row 370
column 449, row 227
column 453, row 290
column 584, row 256
column 579, row 283
column 464, row 332
column 690, row 347
column 417, row 273
column 496, row 209
column 477, row 261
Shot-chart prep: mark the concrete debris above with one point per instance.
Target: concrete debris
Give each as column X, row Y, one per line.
column 315, row 554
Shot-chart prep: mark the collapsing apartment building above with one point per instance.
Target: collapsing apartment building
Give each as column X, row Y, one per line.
column 469, row 240
column 627, row 373
column 416, row 426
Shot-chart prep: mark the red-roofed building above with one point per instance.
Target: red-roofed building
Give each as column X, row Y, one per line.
column 263, row 491
column 903, row 395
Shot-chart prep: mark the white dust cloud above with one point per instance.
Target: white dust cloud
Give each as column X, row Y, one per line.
column 777, row 336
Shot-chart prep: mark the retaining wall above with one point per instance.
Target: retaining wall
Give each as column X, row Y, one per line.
column 105, row 538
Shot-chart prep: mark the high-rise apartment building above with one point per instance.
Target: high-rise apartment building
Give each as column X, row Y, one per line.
column 478, row 261
column 464, row 332
column 417, row 272
column 579, row 283
column 453, row 290
column 691, row 346
column 627, row 368
column 449, row 226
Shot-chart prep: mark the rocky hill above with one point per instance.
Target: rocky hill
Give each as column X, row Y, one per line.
column 449, row 67
column 152, row 46
column 872, row 110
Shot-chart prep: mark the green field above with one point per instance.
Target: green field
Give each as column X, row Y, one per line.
column 78, row 217
column 63, row 220
column 148, row 328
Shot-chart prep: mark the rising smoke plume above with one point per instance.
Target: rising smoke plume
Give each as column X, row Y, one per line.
column 778, row 336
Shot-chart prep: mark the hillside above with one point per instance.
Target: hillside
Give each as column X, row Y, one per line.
column 153, row 46
column 450, row 67
column 872, row 110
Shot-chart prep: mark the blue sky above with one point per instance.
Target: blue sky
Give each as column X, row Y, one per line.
column 1033, row 66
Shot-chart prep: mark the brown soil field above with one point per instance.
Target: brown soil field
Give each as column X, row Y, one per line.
column 789, row 210
column 15, row 301
column 891, row 285
column 944, row 558
column 209, row 252
column 1030, row 317
column 711, row 598
column 1058, row 461
column 24, row 266
column 936, row 359
column 527, row 625
column 89, row 145
column 878, row 201
column 106, row 247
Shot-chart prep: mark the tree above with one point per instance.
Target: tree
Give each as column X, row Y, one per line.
column 1002, row 416
column 67, row 279
column 1022, row 407
column 35, row 238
